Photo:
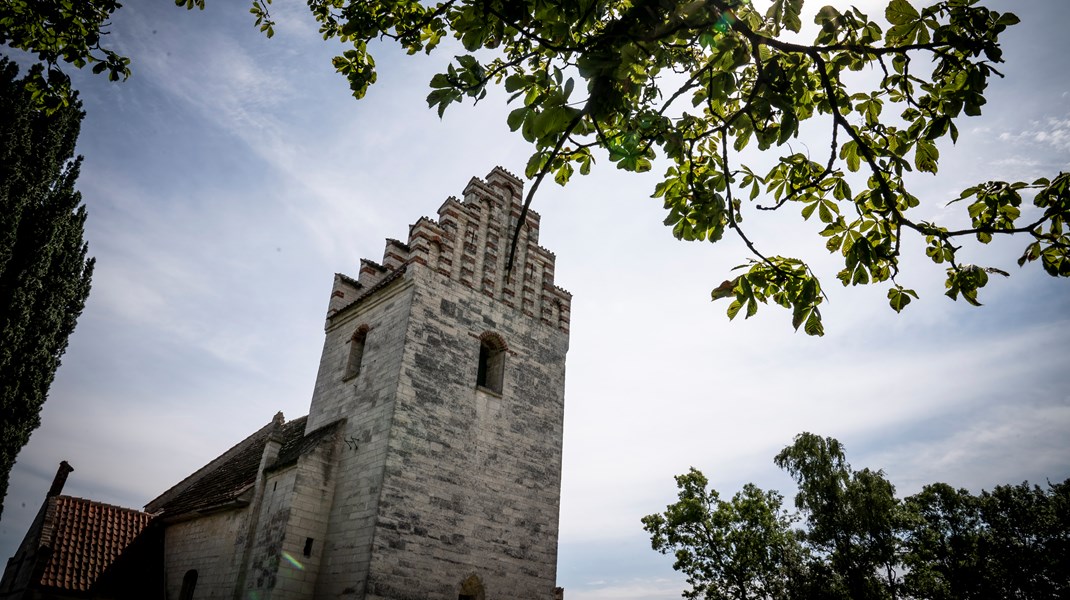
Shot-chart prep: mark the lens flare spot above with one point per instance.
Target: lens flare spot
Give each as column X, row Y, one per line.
column 725, row 22
column 293, row 561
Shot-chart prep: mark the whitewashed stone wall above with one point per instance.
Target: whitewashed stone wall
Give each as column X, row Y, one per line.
column 295, row 509
column 266, row 563
column 206, row 544
column 367, row 404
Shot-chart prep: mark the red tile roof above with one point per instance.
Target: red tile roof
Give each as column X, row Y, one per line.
column 86, row 538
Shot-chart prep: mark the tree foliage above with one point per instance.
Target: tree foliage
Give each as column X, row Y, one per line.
column 44, row 272
column 740, row 548
column 698, row 82
column 850, row 517
column 860, row 541
column 61, row 32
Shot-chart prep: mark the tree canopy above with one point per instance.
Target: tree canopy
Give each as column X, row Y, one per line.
column 44, row 272
column 695, row 84
column 858, row 540
column 738, row 548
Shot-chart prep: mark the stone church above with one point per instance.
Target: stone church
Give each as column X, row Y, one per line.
column 428, row 467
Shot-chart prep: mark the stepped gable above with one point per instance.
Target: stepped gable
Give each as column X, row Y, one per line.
column 469, row 243
column 223, row 482
column 85, row 538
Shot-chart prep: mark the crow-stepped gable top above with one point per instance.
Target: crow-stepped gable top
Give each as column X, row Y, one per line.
column 469, row 243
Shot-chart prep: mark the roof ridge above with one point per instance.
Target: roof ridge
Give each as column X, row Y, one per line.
column 99, row 503
column 222, row 482
column 154, row 504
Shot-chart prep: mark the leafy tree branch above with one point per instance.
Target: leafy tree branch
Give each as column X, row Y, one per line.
column 61, row 32
column 750, row 84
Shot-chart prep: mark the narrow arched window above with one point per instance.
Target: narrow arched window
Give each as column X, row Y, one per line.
column 491, row 362
column 189, row 582
column 356, row 352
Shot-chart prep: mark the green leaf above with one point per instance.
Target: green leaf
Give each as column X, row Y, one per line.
column 725, row 290
column 826, row 17
column 516, row 118
column 534, row 165
column 564, row 172
column 849, row 153
column 792, row 10
column 733, row 309
column 903, row 34
column 514, row 83
column 1032, row 252
column 900, row 12
column 926, row 156
column 813, row 324
column 799, row 315
column 1007, row 19
column 899, row 297
column 441, row 80
column 825, row 213
column 785, row 13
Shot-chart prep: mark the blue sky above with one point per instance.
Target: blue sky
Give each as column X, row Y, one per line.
column 231, row 176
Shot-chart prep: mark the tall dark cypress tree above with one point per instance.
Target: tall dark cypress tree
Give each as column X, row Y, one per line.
column 44, row 272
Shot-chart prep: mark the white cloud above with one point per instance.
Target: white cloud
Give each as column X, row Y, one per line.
column 1053, row 132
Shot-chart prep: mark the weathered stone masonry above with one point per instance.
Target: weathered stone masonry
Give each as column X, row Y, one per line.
column 447, row 481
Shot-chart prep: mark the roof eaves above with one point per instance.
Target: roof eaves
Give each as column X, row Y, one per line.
column 203, row 511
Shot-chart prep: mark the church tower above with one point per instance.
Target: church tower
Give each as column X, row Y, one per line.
column 445, row 374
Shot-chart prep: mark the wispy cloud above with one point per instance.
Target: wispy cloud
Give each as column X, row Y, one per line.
column 1053, row 132
column 634, row 589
